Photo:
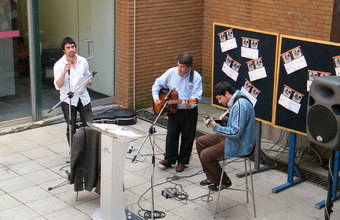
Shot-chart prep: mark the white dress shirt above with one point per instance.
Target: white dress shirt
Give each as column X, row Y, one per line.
column 77, row 77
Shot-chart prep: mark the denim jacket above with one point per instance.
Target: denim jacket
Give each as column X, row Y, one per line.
column 240, row 131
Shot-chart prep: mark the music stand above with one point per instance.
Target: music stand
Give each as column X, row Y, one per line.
column 150, row 133
column 69, row 95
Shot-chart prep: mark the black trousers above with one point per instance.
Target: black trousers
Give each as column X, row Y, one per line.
column 181, row 124
column 85, row 113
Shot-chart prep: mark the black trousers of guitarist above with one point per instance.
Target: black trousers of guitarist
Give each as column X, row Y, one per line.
column 180, row 125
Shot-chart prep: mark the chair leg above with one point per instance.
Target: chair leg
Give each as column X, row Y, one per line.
column 208, row 197
column 219, row 189
column 252, row 187
column 246, row 178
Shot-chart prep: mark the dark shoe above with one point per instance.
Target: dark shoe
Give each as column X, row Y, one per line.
column 214, row 187
column 180, row 167
column 165, row 163
column 205, row 182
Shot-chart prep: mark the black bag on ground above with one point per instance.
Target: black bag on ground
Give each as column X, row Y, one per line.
column 122, row 116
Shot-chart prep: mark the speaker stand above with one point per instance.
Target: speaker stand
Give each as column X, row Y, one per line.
column 291, row 167
column 334, row 194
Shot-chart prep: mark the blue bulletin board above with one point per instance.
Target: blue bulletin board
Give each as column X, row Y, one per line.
column 300, row 61
column 246, row 58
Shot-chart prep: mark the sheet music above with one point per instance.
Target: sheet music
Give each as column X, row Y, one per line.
column 117, row 130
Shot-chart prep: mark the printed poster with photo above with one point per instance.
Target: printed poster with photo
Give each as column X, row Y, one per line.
column 256, row 69
column 336, row 61
column 312, row 74
column 291, row 99
column 231, row 67
column 294, row 60
column 250, row 91
column 227, row 40
column 249, row 48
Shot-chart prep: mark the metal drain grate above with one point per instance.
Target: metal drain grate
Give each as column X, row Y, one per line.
column 312, row 177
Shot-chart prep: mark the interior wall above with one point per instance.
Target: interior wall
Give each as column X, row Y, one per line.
column 56, row 19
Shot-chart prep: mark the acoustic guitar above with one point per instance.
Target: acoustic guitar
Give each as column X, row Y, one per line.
column 172, row 103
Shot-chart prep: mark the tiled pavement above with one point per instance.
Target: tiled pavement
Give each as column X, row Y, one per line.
column 34, row 159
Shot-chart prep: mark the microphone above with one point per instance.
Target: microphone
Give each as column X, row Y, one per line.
column 94, row 73
column 169, row 93
column 68, row 71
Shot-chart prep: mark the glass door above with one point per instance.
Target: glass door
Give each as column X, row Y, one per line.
column 15, row 100
column 91, row 24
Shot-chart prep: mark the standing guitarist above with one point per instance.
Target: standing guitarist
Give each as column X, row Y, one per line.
column 188, row 85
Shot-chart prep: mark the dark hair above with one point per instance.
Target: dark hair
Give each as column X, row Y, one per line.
column 222, row 87
column 185, row 58
column 67, row 40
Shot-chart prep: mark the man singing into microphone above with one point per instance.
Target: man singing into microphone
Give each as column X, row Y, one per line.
column 188, row 84
column 71, row 71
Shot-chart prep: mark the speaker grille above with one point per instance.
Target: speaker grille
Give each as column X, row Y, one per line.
column 322, row 124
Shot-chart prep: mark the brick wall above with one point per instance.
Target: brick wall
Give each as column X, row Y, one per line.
column 164, row 28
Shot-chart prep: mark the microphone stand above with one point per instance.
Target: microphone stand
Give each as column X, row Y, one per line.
column 150, row 133
column 69, row 95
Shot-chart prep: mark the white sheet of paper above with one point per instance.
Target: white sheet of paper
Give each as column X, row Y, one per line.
column 249, row 53
column 250, row 97
column 337, row 71
column 257, row 74
column 228, row 45
column 117, row 130
column 229, row 71
column 295, row 65
column 309, row 83
column 289, row 104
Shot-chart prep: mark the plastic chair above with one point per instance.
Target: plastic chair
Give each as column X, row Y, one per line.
column 247, row 189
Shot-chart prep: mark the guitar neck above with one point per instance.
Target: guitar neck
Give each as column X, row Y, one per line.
column 173, row 102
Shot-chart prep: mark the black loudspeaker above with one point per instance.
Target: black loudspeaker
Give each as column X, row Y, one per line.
column 323, row 112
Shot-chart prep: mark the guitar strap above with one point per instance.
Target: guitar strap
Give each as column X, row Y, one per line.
column 191, row 79
column 242, row 96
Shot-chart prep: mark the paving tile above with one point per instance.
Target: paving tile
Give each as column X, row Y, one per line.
column 6, row 172
column 71, row 197
column 60, row 147
column 47, row 205
column 12, row 159
column 15, row 184
column 192, row 211
column 7, row 202
column 42, row 176
column 88, row 206
column 23, row 145
column 37, row 153
column 5, row 150
column 290, row 214
column 30, row 194
column 10, row 138
column 67, row 213
column 52, row 160
column 21, row 212
column 27, row 167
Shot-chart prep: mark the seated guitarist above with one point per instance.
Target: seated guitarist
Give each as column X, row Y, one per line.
column 183, row 122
